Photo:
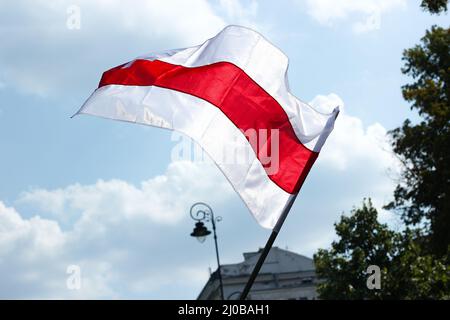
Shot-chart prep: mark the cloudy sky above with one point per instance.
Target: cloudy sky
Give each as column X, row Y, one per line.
column 110, row 198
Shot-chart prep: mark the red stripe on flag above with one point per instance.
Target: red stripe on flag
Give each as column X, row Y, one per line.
column 240, row 98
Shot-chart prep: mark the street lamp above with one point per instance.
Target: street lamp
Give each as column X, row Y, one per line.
column 202, row 212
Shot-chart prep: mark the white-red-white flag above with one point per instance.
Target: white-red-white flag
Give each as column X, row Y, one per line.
column 231, row 95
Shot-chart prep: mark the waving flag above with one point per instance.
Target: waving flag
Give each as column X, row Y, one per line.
column 231, row 95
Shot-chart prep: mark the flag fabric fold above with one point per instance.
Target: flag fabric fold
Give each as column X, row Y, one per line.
column 230, row 95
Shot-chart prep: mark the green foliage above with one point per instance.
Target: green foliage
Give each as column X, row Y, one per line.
column 434, row 6
column 414, row 274
column 406, row 272
column 423, row 196
column 363, row 241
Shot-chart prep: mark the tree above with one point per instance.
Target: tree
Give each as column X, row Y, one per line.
column 423, row 196
column 406, row 271
column 434, row 6
column 363, row 241
column 414, row 274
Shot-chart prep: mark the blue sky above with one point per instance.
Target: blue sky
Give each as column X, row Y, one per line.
column 108, row 197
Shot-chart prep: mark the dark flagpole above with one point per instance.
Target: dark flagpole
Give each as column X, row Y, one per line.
column 267, row 248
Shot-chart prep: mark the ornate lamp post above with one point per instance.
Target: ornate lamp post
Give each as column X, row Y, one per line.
column 202, row 212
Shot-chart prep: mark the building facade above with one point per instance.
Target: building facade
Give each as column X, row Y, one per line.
column 284, row 275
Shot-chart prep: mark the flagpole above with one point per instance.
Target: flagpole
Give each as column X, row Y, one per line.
column 267, row 248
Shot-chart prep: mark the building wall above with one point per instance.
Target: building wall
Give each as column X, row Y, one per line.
column 284, row 275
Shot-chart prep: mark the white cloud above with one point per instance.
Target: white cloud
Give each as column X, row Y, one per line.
column 327, row 103
column 116, row 200
column 367, row 12
column 114, row 237
column 360, row 151
column 28, row 237
column 351, row 143
column 238, row 13
column 45, row 57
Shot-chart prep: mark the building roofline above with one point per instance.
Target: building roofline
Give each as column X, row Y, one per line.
column 248, row 255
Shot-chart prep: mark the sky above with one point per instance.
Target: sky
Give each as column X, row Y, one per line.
column 111, row 199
